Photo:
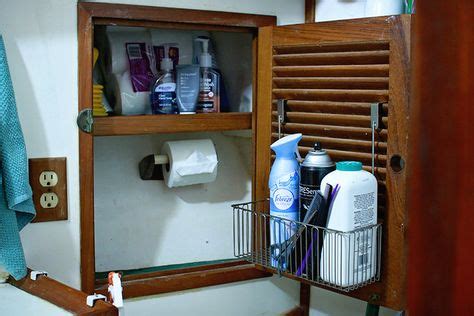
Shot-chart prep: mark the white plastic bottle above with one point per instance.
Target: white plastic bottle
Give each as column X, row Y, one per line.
column 348, row 259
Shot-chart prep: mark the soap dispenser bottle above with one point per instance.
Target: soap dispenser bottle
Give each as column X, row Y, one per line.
column 163, row 91
column 209, row 82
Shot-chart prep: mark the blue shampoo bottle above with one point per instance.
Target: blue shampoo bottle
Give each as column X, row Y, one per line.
column 284, row 192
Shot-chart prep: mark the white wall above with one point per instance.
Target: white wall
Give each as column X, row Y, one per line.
column 41, row 42
column 149, row 224
column 328, row 10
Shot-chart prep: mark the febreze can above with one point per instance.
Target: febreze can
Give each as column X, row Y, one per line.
column 284, row 196
column 315, row 166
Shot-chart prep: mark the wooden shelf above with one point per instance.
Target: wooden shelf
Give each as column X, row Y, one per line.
column 156, row 124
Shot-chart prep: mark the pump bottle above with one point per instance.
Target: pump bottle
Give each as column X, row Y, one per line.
column 163, row 92
column 209, row 82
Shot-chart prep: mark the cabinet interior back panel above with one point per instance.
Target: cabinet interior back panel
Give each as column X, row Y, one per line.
column 144, row 223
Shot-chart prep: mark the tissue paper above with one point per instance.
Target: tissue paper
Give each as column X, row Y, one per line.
column 190, row 162
column 128, row 102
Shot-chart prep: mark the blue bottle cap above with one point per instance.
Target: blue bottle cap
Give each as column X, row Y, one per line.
column 349, row 166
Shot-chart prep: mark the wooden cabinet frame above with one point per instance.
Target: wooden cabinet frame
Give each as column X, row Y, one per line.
column 90, row 15
column 63, row 296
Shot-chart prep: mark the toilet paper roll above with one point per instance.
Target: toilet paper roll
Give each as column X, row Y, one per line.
column 190, row 162
column 128, row 102
column 115, row 57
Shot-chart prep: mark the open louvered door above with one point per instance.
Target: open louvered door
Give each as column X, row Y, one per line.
column 330, row 73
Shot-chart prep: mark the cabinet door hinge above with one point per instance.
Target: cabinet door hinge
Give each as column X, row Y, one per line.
column 85, row 121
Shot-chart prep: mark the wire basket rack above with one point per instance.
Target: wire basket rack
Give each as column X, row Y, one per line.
column 341, row 260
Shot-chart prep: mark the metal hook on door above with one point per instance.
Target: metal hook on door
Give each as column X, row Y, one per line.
column 281, row 105
column 375, row 109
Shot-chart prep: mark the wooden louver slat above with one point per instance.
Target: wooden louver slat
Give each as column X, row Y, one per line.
column 332, row 131
column 333, row 70
column 337, row 58
column 329, row 119
column 331, row 82
column 350, row 95
column 332, row 47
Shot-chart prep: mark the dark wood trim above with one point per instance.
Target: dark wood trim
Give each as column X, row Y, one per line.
column 153, row 124
column 86, row 151
column 441, row 181
column 176, row 281
column 172, row 25
column 63, row 296
column 263, row 113
column 295, row 311
column 305, row 298
column 161, row 14
column 303, row 308
column 168, row 272
column 310, row 11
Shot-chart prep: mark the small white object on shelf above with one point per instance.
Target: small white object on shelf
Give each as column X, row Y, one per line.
column 34, row 274
column 3, row 275
column 383, row 7
column 95, row 297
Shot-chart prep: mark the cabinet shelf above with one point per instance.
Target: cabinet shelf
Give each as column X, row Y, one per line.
column 155, row 124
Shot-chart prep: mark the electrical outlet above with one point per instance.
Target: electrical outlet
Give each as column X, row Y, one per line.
column 49, row 200
column 49, row 184
column 48, row 178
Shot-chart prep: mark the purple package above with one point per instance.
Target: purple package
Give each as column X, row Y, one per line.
column 173, row 53
column 139, row 59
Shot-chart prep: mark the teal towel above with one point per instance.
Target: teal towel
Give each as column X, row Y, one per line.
column 16, row 205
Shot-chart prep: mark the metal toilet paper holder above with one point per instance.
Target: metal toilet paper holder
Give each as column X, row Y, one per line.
column 150, row 167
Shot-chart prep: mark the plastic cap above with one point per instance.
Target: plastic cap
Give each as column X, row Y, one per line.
column 166, row 64
column 349, row 166
column 206, row 60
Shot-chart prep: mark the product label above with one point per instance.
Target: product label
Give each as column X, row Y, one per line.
column 166, row 87
column 364, row 215
column 163, row 99
column 283, row 199
column 364, row 209
column 208, row 100
column 284, row 193
column 307, row 193
column 139, row 58
column 173, row 53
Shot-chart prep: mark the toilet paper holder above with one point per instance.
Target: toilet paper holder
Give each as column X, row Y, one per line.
column 150, row 167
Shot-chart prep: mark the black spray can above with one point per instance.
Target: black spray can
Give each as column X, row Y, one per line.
column 315, row 166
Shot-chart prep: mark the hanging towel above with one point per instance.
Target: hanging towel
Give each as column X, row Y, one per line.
column 16, row 205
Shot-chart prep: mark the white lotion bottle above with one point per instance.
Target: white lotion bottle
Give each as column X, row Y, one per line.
column 350, row 258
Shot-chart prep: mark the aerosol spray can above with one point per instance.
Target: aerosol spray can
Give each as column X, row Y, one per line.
column 315, row 166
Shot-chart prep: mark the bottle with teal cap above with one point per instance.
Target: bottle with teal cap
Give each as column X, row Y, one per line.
column 353, row 207
column 284, row 190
